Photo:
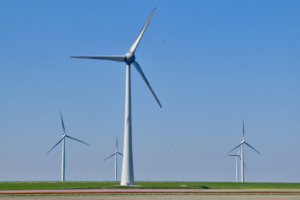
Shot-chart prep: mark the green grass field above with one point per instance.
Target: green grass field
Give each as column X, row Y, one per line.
column 31, row 185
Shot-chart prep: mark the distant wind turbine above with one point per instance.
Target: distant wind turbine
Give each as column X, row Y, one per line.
column 115, row 154
column 237, row 166
column 242, row 152
column 128, row 58
column 63, row 147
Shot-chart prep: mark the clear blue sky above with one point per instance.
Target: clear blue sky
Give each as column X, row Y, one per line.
column 209, row 62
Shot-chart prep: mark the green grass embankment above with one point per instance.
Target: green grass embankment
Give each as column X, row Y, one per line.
column 42, row 185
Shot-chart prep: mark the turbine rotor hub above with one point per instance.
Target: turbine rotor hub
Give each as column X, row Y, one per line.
column 129, row 58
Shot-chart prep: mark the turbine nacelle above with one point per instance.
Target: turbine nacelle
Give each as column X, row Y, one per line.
column 64, row 135
column 244, row 142
column 129, row 58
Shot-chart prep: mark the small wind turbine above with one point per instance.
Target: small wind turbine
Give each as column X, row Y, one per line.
column 242, row 152
column 128, row 58
column 237, row 166
column 115, row 154
column 63, row 147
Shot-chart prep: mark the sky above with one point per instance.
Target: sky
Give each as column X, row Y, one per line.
column 211, row 63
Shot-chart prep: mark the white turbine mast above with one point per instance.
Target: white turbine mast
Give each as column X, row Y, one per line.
column 64, row 135
column 237, row 156
column 115, row 154
column 242, row 152
column 128, row 58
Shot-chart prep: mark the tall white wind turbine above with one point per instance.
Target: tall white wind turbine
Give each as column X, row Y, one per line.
column 63, row 147
column 128, row 58
column 115, row 154
column 242, row 152
column 237, row 156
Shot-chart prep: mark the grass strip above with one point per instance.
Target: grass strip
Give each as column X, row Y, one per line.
column 44, row 185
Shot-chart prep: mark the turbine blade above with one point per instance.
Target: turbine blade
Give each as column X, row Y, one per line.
column 243, row 130
column 137, row 40
column 244, row 163
column 76, row 140
column 139, row 69
column 111, row 58
column 235, row 148
column 120, row 153
column 117, row 143
column 56, row 144
column 62, row 122
column 109, row 157
column 232, row 155
column 252, row 147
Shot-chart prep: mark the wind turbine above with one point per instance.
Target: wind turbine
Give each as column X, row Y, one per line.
column 115, row 154
column 64, row 135
column 237, row 166
column 242, row 152
column 128, row 58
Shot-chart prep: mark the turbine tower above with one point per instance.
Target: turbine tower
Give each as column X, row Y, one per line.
column 242, row 152
column 64, row 135
column 237, row 166
column 115, row 154
column 128, row 58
